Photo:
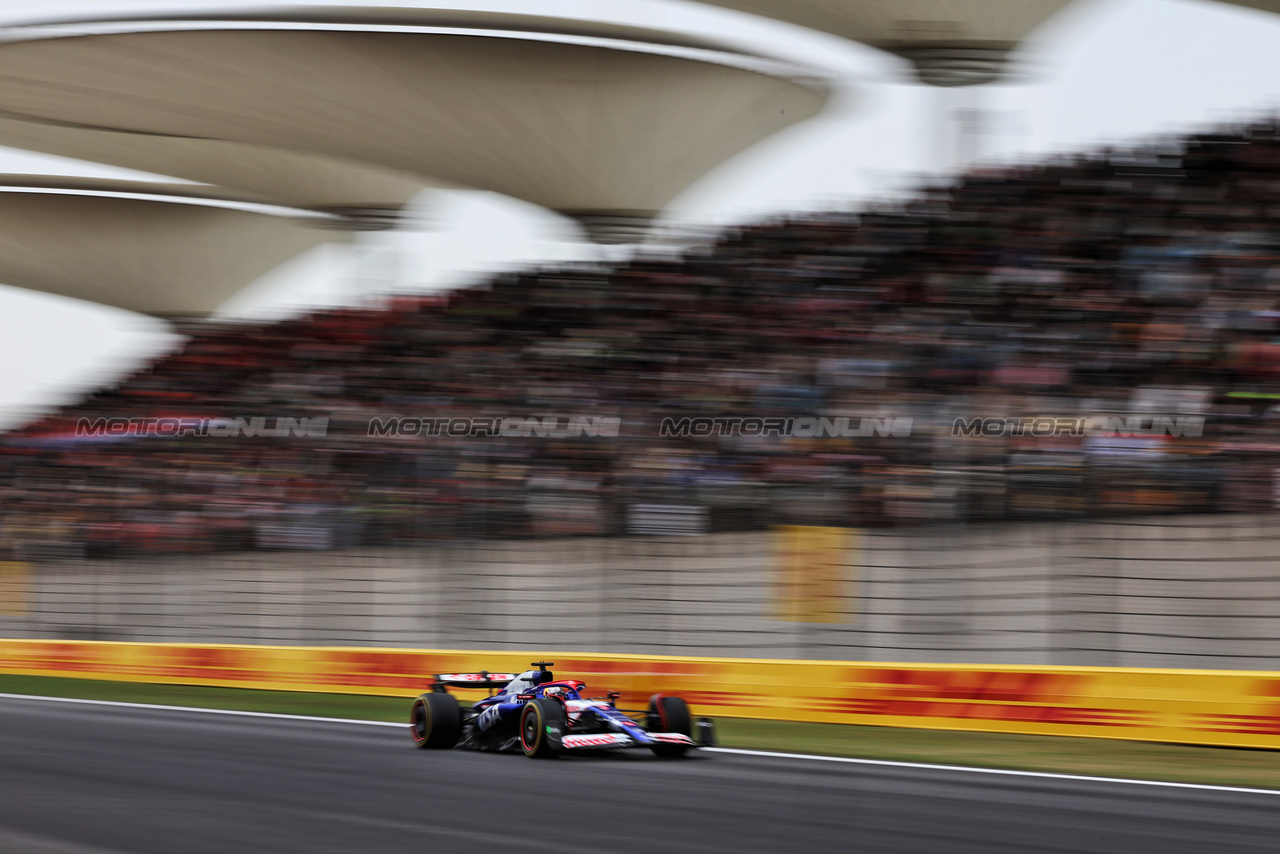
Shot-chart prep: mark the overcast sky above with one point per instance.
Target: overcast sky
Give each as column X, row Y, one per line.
column 1104, row 71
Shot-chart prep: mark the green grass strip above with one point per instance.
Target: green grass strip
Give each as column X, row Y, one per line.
column 1086, row 756
column 356, row 706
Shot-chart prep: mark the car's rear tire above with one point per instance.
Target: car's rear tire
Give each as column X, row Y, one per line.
column 542, row 726
column 435, row 721
column 669, row 714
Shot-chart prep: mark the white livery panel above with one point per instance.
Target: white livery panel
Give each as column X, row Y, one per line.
column 477, row 680
column 597, row 740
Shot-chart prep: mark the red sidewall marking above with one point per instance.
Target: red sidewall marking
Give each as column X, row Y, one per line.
column 533, row 710
column 662, row 710
column 413, row 727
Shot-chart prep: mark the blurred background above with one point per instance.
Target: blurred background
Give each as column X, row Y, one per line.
column 644, row 211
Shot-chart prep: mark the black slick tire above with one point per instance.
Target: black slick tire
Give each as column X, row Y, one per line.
column 542, row 726
column 435, row 721
column 669, row 714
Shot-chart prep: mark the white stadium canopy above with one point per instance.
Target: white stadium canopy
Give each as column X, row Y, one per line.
column 603, row 123
column 949, row 42
column 367, row 195
column 161, row 249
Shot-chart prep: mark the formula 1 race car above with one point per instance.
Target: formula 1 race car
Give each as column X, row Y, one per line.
column 544, row 717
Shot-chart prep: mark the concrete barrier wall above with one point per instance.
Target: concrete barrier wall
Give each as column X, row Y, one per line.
column 1187, row 592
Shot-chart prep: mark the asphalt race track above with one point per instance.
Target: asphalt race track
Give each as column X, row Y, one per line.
column 88, row 779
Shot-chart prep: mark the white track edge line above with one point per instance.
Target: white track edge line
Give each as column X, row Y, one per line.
column 1008, row 772
column 849, row 760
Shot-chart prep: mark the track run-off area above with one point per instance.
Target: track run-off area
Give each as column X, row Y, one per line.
column 94, row 777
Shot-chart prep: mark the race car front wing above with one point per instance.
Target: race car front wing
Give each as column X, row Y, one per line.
column 612, row 740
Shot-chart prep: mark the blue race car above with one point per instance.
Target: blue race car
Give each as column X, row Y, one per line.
column 545, row 717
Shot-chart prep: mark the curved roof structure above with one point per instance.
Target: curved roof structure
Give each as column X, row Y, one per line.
column 949, row 42
column 368, row 196
column 606, row 131
column 402, row 18
column 162, row 249
column 1263, row 5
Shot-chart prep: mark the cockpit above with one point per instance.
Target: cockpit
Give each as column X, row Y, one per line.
column 527, row 681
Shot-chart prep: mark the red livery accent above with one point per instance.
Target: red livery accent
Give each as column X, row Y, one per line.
column 477, row 677
column 571, row 684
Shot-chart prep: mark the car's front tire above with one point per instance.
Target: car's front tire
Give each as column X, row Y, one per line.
column 669, row 714
column 542, row 726
column 435, row 721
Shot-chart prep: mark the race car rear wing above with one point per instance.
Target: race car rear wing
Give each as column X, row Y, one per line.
column 483, row 679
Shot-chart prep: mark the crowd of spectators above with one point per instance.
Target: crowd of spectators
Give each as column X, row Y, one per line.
column 1120, row 282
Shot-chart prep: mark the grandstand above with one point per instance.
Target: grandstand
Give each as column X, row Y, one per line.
column 1112, row 283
